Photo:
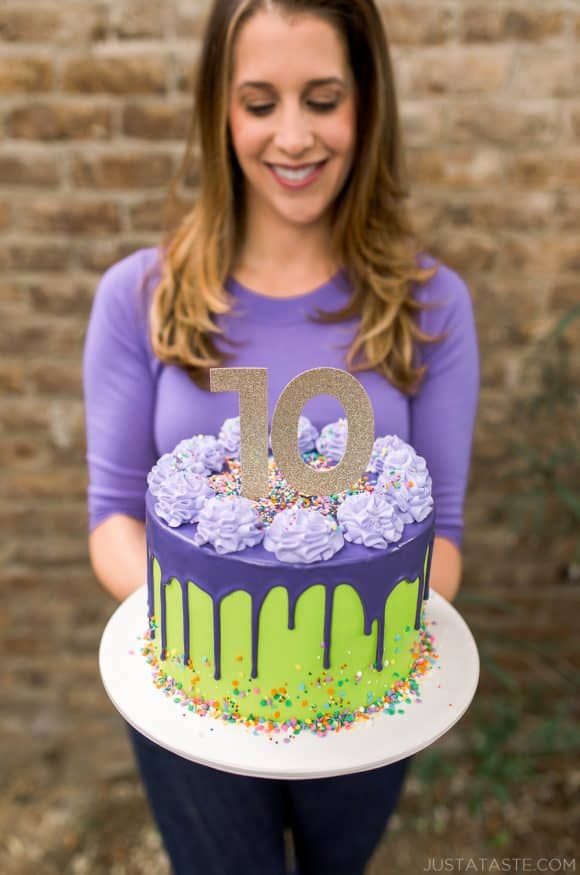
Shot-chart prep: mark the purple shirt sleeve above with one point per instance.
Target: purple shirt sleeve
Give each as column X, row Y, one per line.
column 443, row 413
column 119, row 389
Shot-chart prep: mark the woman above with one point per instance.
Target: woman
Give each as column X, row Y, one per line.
column 297, row 254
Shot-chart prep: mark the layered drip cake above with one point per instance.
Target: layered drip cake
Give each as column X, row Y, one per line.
column 291, row 612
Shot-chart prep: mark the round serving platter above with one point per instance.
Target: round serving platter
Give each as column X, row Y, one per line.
column 446, row 691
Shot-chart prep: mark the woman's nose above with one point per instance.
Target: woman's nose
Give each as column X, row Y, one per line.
column 294, row 132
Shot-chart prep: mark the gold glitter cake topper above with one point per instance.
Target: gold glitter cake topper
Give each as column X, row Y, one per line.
column 251, row 383
column 252, row 386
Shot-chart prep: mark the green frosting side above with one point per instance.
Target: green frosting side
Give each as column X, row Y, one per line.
column 292, row 681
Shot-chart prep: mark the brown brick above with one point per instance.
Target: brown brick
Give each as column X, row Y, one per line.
column 25, row 24
column 524, row 210
column 56, row 378
column 67, row 427
column 426, row 211
column 36, row 521
column 64, row 482
column 567, row 214
column 557, row 75
column 417, row 24
column 457, row 168
column 121, row 171
column 28, row 256
column 154, row 214
column 513, row 328
column 25, row 74
column 65, row 296
column 533, row 170
column 143, row 241
column 423, row 123
column 68, row 216
column 65, row 552
column 467, row 251
column 59, row 423
column 573, row 120
column 563, row 294
column 544, row 169
column 489, row 24
column 453, row 70
column 156, row 121
column 133, row 19
column 62, row 23
column 97, row 255
column 9, row 291
column 190, row 19
column 11, row 377
column 115, row 75
column 557, row 252
column 185, row 71
column 28, row 170
column 192, row 179
column 59, row 121
column 505, row 124
column 22, row 415
column 38, row 336
column 23, row 453
column 5, row 215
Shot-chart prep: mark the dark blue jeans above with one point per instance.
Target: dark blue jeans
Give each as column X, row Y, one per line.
column 215, row 823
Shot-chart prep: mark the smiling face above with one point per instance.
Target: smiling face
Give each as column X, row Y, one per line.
column 294, row 128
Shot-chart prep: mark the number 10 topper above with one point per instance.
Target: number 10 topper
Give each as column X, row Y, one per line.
column 252, row 386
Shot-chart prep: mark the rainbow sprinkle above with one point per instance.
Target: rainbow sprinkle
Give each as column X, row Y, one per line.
column 283, row 496
column 403, row 692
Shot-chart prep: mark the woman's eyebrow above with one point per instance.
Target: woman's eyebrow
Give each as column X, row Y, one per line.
column 330, row 80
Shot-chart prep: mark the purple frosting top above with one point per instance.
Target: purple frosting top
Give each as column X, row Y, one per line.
column 137, row 409
column 373, row 512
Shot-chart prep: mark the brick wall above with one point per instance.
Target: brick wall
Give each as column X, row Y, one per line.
column 94, row 104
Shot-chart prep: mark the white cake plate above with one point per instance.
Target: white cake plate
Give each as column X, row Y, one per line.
column 446, row 692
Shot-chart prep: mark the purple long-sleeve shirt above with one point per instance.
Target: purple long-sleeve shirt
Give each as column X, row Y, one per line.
column 137, row 408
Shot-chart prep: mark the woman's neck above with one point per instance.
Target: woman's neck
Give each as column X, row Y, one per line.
column 284, row 258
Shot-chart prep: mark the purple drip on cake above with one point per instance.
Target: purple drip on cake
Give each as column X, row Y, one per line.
column 256, row 571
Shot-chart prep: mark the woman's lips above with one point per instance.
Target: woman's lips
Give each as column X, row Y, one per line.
column 311, row 177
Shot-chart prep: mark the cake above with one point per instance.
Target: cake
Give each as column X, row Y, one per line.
column 292, row 612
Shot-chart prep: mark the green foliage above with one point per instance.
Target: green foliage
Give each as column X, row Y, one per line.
column 497, row 767
column 558, row 733
column 543, row 441
column 502, row 753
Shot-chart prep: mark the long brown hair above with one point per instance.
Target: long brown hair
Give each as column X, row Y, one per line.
column 371, row 232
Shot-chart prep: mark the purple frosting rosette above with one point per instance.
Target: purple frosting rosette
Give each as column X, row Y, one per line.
column 229, row 437
column 229, row 523
column 369, row 519
column 202, row 453
column 307, row 435
column 381, row 449
column 181, row 496
column 300, row 535
column 178, row 480
column 167, row 466
column 333, row 439
column 406, row 483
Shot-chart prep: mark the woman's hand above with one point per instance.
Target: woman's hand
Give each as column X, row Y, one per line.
column 445, row 568
column 118, row 554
